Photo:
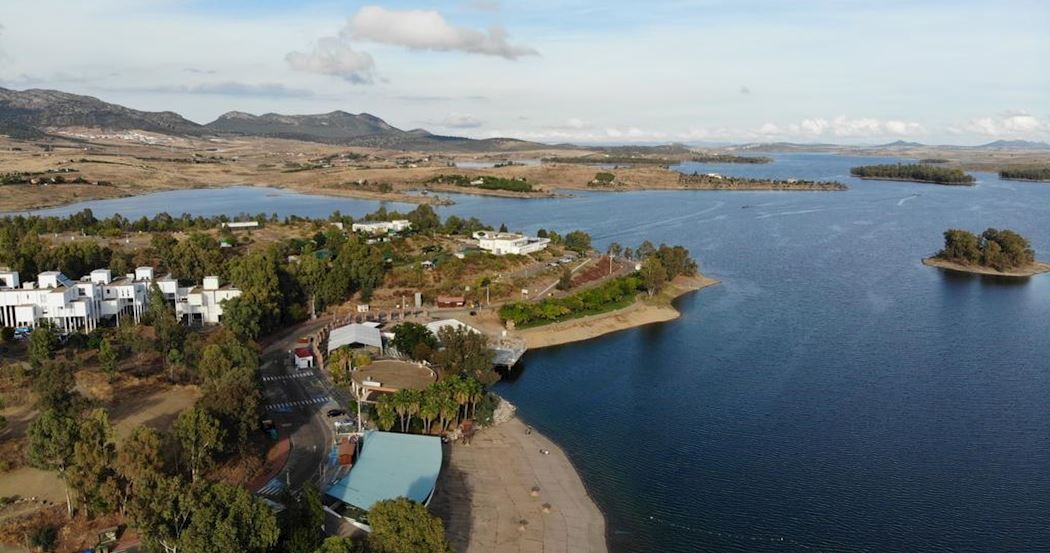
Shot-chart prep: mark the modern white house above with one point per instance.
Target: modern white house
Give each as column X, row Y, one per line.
column 503, row 243
column 80, row 305
column 241, row 225
column 382, row 227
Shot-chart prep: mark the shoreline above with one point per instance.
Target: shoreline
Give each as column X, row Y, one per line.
column 897, row 179
column 502, row 493
column 643, row 311
column 1039, row 267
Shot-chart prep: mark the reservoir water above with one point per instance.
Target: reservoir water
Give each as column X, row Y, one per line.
column 832, row 394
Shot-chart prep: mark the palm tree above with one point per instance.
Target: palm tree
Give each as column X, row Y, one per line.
column 460, row 393
column 448, row 409
column 412, row 400
column 385, row 412
column 475, row 392
column 429, row 408
column 399, row 401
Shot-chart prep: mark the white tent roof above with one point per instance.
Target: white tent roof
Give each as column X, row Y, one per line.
column 435, row 326
column 354, row 334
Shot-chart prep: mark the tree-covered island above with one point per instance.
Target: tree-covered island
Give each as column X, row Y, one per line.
column 1036, row 174
column 914, row 172
column 995, row 251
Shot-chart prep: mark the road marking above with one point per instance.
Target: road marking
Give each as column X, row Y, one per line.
column 275, row 378
column 298, row 403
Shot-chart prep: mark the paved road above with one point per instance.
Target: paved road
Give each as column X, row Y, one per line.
column 297, row 401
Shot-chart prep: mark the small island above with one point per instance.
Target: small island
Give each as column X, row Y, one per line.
column 1033, row 174
column 995, row 252
column 714, row 181
column 913, row 172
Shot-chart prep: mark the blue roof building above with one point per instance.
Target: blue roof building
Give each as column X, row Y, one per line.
column 391, row 465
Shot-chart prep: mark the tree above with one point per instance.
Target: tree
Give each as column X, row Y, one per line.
column 161, row 315
column 229, row 376
column 466, row 352
column 676, row 261
column 53, row 385
column 107, row 358
column 304, row 521
column 409, row 336
column 195, row 257
column 404, row 526
column 139, row 459
column 161, row 510
column 52, row 437
column 340, row 545
column 565, row 281
column 961, row 246
column 654, row 276
column 578, row 241
column 200, row 438
column 260, row 306
column 42, row 345
column 645, row 250
column 91, row 473
column 385, row 412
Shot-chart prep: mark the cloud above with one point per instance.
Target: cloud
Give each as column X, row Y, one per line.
column 230, row 88
column 461, row 121
column 839, row 127
column 199, row 71
column 745, row 90
column 429, row 30
column 334, row 56
column 1010, row 124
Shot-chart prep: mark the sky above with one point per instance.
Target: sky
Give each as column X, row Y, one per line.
column 694, row 71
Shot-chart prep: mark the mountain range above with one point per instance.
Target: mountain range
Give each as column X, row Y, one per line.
column 35, row 113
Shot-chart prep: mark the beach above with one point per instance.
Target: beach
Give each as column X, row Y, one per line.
column 642, row 312
column 502, row 494
column 1036, row 268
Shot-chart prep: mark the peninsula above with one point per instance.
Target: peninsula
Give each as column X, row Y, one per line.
column 1033, row 174
column 914, row 172
column 714, row 181
column 995, row 252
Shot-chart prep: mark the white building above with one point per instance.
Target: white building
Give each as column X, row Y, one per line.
column 80, row 305
column 382, row 227
column 240, row 225
column 503, row 243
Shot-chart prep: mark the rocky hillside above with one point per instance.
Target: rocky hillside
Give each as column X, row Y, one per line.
column 33, row 112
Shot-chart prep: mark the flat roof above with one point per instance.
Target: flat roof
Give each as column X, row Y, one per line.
column 391, row 465
column 396, row 375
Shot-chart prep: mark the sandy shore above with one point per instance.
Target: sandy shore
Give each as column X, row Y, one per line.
column 486, row 492
column 1036, row 268
column 642, row 312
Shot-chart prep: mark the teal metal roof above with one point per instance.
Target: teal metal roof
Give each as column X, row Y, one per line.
column 390, row 466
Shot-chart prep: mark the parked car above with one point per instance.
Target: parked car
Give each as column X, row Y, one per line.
column 333, row 413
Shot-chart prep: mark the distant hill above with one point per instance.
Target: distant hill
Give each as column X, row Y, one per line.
column 901, row 144
column 31, row 113
column 1015, row 145
column 35, row 113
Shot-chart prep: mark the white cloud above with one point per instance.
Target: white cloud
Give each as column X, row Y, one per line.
column 839, row 127
column 461, row 121
column 334, row 56
column 429, row 30
column 1016, row 124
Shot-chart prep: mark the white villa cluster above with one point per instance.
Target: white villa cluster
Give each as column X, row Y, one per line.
column 79, row 305
column 382, row 227
column 503, row 243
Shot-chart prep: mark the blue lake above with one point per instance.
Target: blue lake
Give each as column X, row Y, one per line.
column 832, row 394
